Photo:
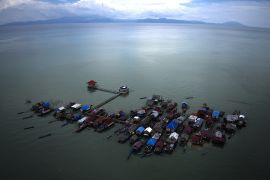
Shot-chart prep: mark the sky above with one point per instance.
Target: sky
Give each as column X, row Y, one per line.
column 248, row 12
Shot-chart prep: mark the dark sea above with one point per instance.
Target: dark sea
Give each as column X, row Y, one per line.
column 227, row 68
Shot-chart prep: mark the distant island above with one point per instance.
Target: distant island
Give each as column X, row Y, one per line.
column 99, row 19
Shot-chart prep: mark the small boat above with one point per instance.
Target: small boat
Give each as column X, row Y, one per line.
column 107, row 123
column 154, row 115
column 192, row 118
column 60, row 113
column 42, row 108
column 99, row 121
column 171, row 142
column 172, row 114
column 121, row 115
column 230, row 128
column 171, row 106
column 159, row 126
column 181, row 119
column 77, row 117
column 134, row 138
column 159, row 146
column 149, row 103
column 157, row 98
column 132, row 128
column 87, row 122
column 216, row 115
column 151, row 143
column 198, row 123
column 85, row 108
column 241, row 121
column 137, row 146
column 147, row 131
column 45, row 111
column 76, row 106
column 202, row 112
column 218, row 137
column 209, row 122
column 164, row 104
column 197, row 139
column 231, row 118
column 171, row 126
column 80, row 121
column 206, row 134
column 140, row 130
column 184, row 106
column 36, row 107
column 185, row 135
column 141, row 113
column 123, row 137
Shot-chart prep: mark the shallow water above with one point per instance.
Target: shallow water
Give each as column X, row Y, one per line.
column 227, row 68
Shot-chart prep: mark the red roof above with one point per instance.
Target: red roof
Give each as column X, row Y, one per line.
column 93, row 82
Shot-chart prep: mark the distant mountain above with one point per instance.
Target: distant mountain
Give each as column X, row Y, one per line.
column 100, row 19
column 233, row 24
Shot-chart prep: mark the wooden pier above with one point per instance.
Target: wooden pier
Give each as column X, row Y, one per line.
column 106, row 90
column 123, row 90
column 107, row 101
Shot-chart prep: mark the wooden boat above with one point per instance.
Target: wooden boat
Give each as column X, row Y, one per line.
column 107, row 123
column 37, row 107
column 121, row 115
column 134, row 138
column 185, row 135
column 100, row 120
column 171, row 126
column 148, row 131
column 137, row 146
column 197, row 139
column 206, row 134
column 123, row 137
column 173, row 114
column 197, row 123
column 87, row 123
column 218, row 137
column 60, row 113
column 171, row 142
column 241, row 121
column 42, row 108
column 230, row 128
column 192, row 118
column 151, row 143
column 154, row 115
column 159, row 146
column 159, row 126
column 171, row 106
column 45, row 111
column 209, row 122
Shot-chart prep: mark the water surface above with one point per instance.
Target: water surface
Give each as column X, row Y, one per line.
column 227, row 68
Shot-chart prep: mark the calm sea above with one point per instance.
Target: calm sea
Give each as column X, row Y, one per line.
column 227, row 68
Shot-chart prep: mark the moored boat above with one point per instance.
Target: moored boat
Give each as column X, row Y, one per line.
column 107, row 123
column 218, row 137
column 197, row 139
column 151, row 143
column 171, row 142
column 159, row 146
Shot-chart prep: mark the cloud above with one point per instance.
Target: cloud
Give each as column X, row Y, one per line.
column 4, row 4
column 249, row 12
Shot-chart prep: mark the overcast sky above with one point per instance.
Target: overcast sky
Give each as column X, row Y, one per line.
column 248, row 12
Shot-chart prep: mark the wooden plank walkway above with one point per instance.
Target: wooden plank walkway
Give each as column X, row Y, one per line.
column 106, row 90
column 107, row 101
